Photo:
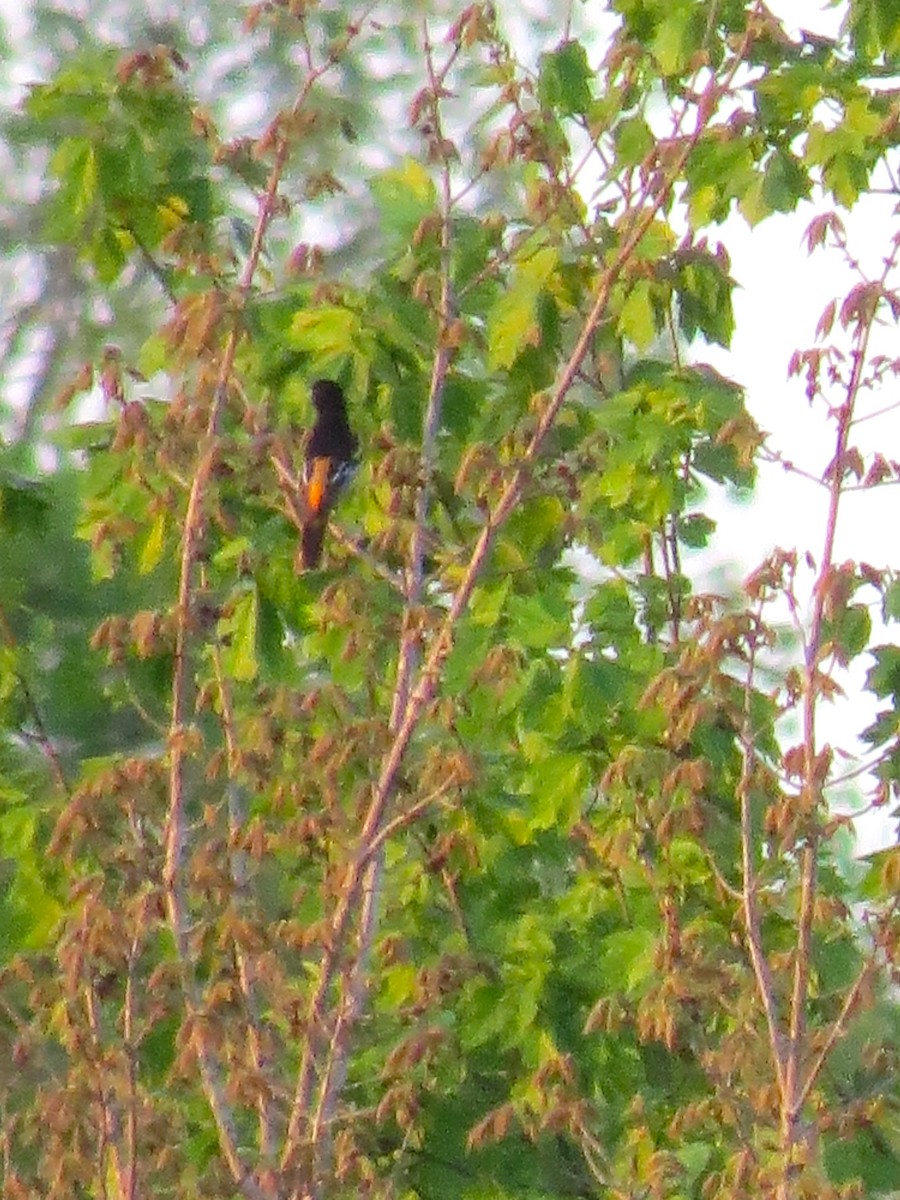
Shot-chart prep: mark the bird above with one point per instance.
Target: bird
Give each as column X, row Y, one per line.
column 328, row 467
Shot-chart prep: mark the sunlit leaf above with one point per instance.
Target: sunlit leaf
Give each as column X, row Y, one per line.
column 564, row 79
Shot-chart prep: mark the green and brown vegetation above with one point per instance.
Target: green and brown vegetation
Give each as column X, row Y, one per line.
column 496, row 860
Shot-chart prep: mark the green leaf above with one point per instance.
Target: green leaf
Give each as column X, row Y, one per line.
column 850, row 632
column 875, row 27
column 540, row 693
column 557, row 784
column 154, row 355
column 512, row 322
column 837, row 963
column 610, row 612
column 24, row 505
column 891, row 605
column 634, row 140
column 678, row 35
column 847, row 152
column 785, row 182
column 628, row 959
column 593, row 691
column 326, row 331
column 718, row 172
column 107, row 253
column 862, row 1157
column 154, row 545
column 462, row 400
column 618, row 482
column 488, row 602
column 270, row 639
column 404, row 195
column 695, row 530
column 637, row 318
column 884, row 678
column 75, row 163
column 622, row 544
column 88, row 435
column 564, row 80
column 704, row 291
column 472, row 242
column 539, row 622
column 156, row 1048
column 399, row 984
column 694, row 1157
column 238, row 632
column 883, row 879
column 536, row 522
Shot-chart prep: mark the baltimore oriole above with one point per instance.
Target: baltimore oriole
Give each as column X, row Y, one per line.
column 329, row 466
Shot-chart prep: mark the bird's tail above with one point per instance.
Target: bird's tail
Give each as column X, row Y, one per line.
column 311, row 545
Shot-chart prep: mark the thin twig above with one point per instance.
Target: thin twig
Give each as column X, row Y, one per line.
column 750, row 885
column 42, row 734
column 729, row 889
column 358, row 550
column 838, row 1028
column 408, row 817
column 878, row 412
column 156, row 269
column 776, row 458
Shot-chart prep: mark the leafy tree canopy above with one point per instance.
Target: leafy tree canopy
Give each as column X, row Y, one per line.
column 493, row 859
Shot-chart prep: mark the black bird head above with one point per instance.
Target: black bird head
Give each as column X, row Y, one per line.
column 327, row 397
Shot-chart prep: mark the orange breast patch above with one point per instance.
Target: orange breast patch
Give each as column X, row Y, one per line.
column 318, row 482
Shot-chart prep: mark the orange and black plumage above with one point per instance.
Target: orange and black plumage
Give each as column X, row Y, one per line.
column 329, row 465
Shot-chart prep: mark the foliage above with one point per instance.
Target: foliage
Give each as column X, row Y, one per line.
column 454, row 868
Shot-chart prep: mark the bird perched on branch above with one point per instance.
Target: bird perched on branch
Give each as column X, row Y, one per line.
column 329, row 466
